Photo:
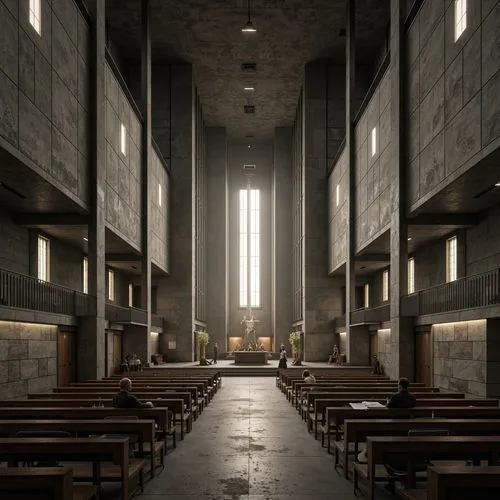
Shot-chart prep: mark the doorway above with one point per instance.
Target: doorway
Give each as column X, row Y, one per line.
column 66, row 369
column 117, row 352
column 423, row 357
column 373, row 345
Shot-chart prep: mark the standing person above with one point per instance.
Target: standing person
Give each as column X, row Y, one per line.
column 334, row 356
column 402, row 398
column 377, row 367
column 124, row 399
column 283, row 360
column 216, row 351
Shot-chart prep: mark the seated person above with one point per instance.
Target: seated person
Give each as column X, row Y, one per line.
column 333, row 358
column 308, row 377
column 126, row 400
column 402, row 398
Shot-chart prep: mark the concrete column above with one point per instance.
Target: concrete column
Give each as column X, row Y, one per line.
column 359, row 345
column 282, row 236
column 91, row 335
column 176, row 293
column 217, row 242
column 401, row 358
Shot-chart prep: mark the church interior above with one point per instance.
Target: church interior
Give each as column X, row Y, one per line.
column 232, row 232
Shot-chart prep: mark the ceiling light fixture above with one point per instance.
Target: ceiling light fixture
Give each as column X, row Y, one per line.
column 250, row 89
column 86, row 239
column 409, row 239
column 497, row 184
column 248, row 27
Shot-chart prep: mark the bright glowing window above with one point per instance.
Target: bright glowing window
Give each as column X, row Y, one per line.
column 249, row 236
column 385, row 286
column 123, row 140
column 367, row 295
column 85, row 273
column 111, row 285
column 460, row 17
column 411, row 275
column 451, row 259
column 160, row 195
column 36, row 15
column 337, row 195
column 43, row 258
column 130, row 295
column 374, row 141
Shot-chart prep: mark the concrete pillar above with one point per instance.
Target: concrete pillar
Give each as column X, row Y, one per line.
column 402, row 342
column 176, row 293
column 91, row 334
column 359, row 345
column 282, row 236
column 493, row 358
column 217, row 229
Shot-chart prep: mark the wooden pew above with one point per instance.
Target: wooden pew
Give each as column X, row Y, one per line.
column 335, row 416
column 458, row 483
column 296, row 385
column 162, row 416
column 56, row 482
column 356, row 431
column 283, row 375
column 94, row 450
column 432, row 447
column 142, row 430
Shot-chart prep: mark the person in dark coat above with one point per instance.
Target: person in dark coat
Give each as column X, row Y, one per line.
column 124, row 399
column 402, row 398
column 377, row 367
column 283, row 360
column 216, row 352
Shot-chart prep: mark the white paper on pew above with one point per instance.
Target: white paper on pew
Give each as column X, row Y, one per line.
column 372, row 404
column 358, row 406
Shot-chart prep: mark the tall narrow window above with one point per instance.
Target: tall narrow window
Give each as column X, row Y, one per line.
column 123, row 140
column 411, row 275
column 36, row 15
column 366, row 290
column 249, row 247
column 85, row 275
column 43, row 258
column 130, row 295
column 451, row 259
column 337, row 195
column 374, row 141
column 160, row 195
column 460, row 17
column 111, row 285
column 385, row 286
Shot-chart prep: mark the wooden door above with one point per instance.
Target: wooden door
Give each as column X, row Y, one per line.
column 423, row 356
column 117, row 352
column 66, row 369
column 373, row 345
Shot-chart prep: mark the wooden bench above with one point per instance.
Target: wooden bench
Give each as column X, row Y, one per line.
column 142, row 430
column 55, row 482
column 430, row 447
column 92, row 451
column 458, row 483
column 356, row 432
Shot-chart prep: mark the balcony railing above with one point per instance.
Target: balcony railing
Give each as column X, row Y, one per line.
column 131, row 315
column 371, row 315
column 27, row 292
column 470, row 292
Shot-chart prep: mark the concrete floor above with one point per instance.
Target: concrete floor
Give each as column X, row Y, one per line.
column 250, row 444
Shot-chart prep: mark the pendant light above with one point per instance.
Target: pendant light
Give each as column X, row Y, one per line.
column 248, row 27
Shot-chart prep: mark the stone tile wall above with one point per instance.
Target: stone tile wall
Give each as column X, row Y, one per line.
column 384, row 347
column 44, row 82
column 28, row 358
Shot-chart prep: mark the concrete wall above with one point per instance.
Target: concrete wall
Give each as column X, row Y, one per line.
column 14, row 255
column 66, row 265
column 384, row 347
column 28, row 359
column 123, row 171
column 452, row 93
column 159, row 214
column 372, row 171
column 44, row 99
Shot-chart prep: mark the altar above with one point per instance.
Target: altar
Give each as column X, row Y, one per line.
column 250, row 357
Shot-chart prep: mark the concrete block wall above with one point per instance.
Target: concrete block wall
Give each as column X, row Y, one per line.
column 384, row 353
column 123, row 171
column 28, row 359
column 14, row 253
column 44, row 99
column 372, row 171
column 338, row 214
column 454, row 107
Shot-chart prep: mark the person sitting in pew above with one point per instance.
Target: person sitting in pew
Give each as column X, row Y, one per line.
column 308, row 377
column 126, row 400
column 402, row 398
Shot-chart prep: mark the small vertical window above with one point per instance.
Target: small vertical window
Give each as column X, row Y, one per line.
column 411, row 275
column 43, row 258
column 460, row 17
column 366, row 290
column 385, row 286
column 160, row 195
column 111, row 285
column 85, row 273
column 123, row 140
column 374, row 141
column 130, row 295
column 337, row 195
column 36, row 16
column 451, row 259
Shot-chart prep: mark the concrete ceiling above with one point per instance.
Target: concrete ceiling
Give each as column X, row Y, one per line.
column 207, row 34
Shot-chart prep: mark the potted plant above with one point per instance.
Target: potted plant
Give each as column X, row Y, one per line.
column 294, row 339
column 203, row 338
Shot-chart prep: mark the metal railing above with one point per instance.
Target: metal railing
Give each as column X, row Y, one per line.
column 119, row 314
column 368, row 315
column 27, row 292
column 470, row 292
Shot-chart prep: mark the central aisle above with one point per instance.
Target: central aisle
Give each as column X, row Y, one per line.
column 249, row 443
